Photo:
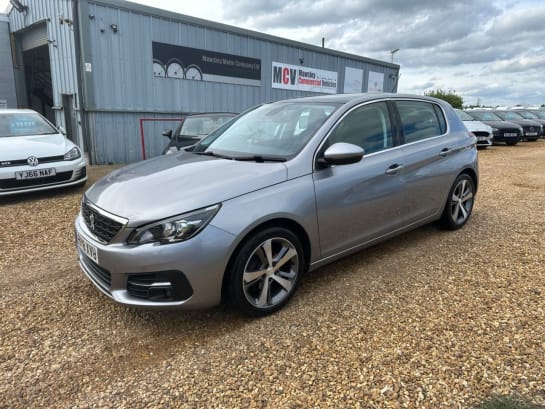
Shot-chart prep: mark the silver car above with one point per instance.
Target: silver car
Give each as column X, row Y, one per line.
column 282, row 189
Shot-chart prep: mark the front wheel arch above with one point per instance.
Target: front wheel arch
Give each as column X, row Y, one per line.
column 288, row 224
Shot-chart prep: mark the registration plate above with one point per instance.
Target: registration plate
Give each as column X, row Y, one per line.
column 87, row 248
column 510, row 134
column 531, row 133
column 35, row 173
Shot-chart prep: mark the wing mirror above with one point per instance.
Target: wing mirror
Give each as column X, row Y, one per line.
column 342, row 153
column 168, row 133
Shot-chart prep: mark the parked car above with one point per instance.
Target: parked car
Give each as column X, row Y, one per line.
column 34, row 155
column 482, row 132
column 536, row 116
column 282, row 189
column 532, row 129
column 193, row 128
column 504, row 131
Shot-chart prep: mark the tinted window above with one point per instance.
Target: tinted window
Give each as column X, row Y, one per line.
column 368, row 126
column 420, row 120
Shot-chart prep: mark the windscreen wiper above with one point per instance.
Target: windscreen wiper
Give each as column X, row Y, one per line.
column 215, row 154
column 259, row 158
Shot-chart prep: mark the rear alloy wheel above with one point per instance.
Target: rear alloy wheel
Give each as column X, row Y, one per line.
column 266, row 271
column 460, row 203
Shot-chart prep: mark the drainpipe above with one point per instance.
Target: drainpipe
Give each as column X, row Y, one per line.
column 79, row 68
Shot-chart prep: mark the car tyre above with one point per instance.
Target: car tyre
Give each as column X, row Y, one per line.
column 459, row 203
column 511, row 143
column 266, row 271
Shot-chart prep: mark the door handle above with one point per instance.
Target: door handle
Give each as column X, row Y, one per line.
column 444, row 152
column 392, row 170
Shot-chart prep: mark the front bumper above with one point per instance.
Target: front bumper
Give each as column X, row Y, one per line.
column 67, row 173
column 186, row 275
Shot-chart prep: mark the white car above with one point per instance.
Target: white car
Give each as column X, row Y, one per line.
column 483, row 133
column 34, row 155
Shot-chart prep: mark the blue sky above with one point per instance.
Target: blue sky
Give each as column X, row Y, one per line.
column 488, row 51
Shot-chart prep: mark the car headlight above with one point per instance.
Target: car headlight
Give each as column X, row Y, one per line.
column 495, row 130
column 72, row 154
column 174, row 229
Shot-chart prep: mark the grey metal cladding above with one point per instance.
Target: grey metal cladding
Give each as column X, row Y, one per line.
column 58, row 17
column 122, row 61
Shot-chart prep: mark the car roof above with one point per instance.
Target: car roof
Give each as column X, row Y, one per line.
column 361, row 97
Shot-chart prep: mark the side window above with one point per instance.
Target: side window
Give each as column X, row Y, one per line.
column 368, row 126
column 420, row 120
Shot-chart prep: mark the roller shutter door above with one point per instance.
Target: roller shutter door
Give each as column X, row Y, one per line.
column 35, row 37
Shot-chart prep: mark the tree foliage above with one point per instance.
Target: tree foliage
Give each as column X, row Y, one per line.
column 450, row 96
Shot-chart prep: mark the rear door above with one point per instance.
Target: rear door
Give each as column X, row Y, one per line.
column 429, row 158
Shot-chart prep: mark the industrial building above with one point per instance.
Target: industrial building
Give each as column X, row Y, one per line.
column 114, row 74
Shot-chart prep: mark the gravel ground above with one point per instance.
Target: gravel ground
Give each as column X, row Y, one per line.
column 429, row 319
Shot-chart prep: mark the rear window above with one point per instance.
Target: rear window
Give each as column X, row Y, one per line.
column 23, row 124
column 421, row 120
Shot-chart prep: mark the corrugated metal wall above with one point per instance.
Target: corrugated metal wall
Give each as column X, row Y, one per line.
column 7, row 79
column 57, row 14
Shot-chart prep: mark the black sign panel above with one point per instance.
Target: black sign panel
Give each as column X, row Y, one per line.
column 175, row 61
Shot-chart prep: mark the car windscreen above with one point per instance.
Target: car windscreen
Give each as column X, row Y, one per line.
column 23, row 124
column 278, row 130
column 509, row 115
column 539, row 114
column 463, row 115
column 485, row 116
column 527, row 115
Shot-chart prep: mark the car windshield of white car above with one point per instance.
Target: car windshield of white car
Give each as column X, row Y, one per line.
column 273, row 131
column 24, row 124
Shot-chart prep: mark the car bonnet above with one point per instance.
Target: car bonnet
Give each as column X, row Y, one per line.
column 174, row 184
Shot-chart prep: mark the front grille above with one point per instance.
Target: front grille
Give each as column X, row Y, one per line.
column 23, row 183
column 502, row 132
column 101, row 275
column 481, row 133
column 102, row 226
column 23, row 162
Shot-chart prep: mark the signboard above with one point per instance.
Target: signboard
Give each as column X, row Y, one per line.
column 174, row 61
column 376, row 82
column 353, row 80
column 299, row 78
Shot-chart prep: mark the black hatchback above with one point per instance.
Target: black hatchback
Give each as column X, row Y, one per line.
column 504, row 131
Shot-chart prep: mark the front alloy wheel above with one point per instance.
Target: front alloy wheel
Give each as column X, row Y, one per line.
column 267, row 271
column 460, row 203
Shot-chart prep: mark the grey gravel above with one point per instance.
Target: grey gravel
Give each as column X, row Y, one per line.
column 429, row 319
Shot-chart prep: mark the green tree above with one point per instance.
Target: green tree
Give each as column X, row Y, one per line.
column 450, row 96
